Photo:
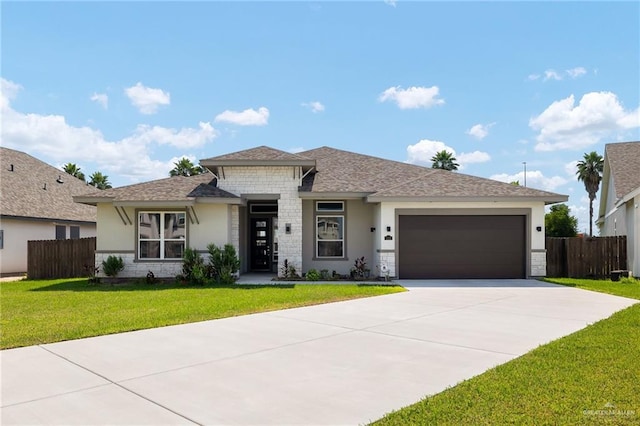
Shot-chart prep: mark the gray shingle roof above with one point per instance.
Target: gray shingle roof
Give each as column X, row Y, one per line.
column 343, row 171
column 23, row 192
column 177, row 188
column 624, row 162
column 261, row 153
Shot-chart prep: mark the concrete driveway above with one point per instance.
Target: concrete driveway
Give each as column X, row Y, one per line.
column 342, row 363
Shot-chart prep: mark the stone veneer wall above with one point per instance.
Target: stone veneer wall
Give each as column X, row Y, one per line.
column 133, row 268
column 283, row 182
column 539, row 263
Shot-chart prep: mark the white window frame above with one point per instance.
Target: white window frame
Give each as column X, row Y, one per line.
column 161, row 239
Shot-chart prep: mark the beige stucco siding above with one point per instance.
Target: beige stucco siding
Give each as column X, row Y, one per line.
column 214, row 226
column 17, row 232
column 359, row 240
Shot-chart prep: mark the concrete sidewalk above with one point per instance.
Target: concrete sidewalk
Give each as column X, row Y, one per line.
column 342, row 363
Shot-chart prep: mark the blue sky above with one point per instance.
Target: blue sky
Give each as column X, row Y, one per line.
column 129, row 88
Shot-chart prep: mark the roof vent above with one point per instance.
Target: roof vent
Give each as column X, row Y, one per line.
column 59, row 180
column 11, row 168
column 45, row 186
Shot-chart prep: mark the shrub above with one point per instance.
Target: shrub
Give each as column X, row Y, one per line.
column 193, row 267
column 313, row 275
column 223, row 263
column 112, row 265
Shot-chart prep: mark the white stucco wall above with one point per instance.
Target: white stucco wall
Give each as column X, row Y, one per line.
column 17, row 232
column 387, row 249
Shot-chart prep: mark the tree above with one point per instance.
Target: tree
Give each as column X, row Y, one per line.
column 99, row 180
column 184, row 167
column 515, row 183
column 444, row 160
column 590, row 173
column 73, row 170
column 559, row 222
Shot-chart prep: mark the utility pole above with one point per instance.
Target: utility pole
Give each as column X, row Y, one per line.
column 525, row 173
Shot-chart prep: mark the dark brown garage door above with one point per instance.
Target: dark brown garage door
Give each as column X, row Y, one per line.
column 462, row 247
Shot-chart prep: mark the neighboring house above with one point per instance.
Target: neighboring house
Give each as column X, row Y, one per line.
column 36, row 203
column 620, row 197
column 322, row 209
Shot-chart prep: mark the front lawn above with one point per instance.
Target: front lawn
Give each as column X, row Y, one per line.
column 35, row 312
column 589, row 377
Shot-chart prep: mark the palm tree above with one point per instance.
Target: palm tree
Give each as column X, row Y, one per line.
column 184, row 167
column 590, row 173
column 100, row 181
column 73, row 170
column 444, row 160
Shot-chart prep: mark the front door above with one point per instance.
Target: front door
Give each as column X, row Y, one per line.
column 260, row 244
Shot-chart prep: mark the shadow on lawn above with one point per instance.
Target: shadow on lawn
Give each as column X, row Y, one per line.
column 84, row 285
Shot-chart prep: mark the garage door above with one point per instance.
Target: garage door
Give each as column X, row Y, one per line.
column 462, row 247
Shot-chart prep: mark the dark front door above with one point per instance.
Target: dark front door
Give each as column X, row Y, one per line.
column 260, row 244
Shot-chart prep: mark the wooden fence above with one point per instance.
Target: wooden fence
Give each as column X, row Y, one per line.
column 586, row 257
column 60, row 258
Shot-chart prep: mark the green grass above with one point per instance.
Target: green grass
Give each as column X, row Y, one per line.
column 35, row 312
column 570, row 381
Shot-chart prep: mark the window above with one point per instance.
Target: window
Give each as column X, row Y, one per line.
column 1, row 238
column 74, row 232
column 61, row 232
column 161, row 235
column 329, row 229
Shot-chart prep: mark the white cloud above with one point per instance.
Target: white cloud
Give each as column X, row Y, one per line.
column 571, row 168
column 480, row 131
column 413, row 97
column 551, row 75
column 564, row 125
column 8, row 92
column 422, row 152
column 533, row 77
column 535, row 179
column 296, row 149
column 391, row 2
column 53, row 137
column 147, row 99
column 248, row 117
column 473, row 157
column 576, row 72
column 314, row 106
column 101, row 98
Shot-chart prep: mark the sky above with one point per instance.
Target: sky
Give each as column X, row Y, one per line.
column 129, row 88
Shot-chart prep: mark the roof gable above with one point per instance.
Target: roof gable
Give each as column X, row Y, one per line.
column 624, row 165
column 31, row 188
column 261, row 153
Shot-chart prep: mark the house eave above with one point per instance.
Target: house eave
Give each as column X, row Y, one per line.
column 332, row 195
column 219, row 200
column 154, row 203
column 48, row 219
column 91, row 201
column 458, row 199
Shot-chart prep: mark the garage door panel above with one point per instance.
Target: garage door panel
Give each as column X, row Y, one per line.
column 462, row 246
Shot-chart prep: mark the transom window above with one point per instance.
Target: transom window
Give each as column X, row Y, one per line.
column 161, row 235
column 329, row 229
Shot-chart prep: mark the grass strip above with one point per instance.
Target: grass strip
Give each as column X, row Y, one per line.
column 46, row 311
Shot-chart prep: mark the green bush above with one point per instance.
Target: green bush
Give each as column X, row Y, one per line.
column 193, row 267
column 224, row 263
column 112, row 266
column 313, row 275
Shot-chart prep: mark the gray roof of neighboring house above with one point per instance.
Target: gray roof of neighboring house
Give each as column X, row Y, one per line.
column 23, row 193
column 624, row 163
column 177, row 188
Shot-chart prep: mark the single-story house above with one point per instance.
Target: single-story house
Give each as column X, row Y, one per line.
column 619, row 212
column 323, row 209
column 36, row 203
